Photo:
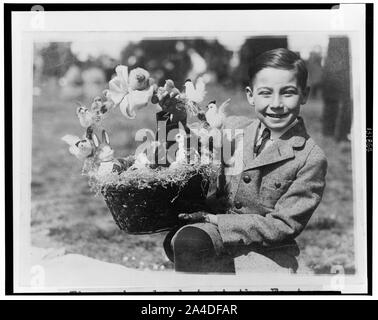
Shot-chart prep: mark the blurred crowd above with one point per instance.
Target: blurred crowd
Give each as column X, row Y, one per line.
column 180, row 59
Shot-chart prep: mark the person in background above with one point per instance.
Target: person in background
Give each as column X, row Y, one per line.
column 337, row 112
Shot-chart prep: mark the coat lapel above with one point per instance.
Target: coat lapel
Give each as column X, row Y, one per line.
column 280, row 150
column 249, row 140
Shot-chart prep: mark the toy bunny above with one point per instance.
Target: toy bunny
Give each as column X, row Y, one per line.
column 181, row 153
column 205, row 156
column 141, row 162
column 194, row 156
column 104, row 156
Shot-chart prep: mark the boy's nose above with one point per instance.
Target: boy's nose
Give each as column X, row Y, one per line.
column 276, row 102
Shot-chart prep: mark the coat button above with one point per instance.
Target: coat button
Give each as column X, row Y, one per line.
column 238, row 204
column 247, row 178
column 278, row 185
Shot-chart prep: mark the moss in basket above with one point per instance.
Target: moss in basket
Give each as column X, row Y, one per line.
column 148, row 178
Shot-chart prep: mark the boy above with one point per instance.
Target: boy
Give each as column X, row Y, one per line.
column 268, row 203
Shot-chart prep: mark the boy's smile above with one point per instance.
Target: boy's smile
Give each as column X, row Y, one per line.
column 277, row 97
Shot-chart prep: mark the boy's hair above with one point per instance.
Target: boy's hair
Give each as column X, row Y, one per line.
column 280, row 58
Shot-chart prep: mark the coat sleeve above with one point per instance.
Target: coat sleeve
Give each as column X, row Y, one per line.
column 290, row 215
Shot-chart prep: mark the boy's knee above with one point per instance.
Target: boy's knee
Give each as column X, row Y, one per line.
column 194, row 251
column 192, row 240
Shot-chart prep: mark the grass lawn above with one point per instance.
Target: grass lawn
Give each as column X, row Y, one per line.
column 66, row 214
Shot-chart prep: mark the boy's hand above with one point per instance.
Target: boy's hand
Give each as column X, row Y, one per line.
column 199, row 216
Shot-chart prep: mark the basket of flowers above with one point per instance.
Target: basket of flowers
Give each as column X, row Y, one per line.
column 146, row 191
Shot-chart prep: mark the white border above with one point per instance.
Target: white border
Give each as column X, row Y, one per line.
column 349, row 19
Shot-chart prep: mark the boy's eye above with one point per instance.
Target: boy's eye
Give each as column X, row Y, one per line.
column 289, row 93
column 264, row 93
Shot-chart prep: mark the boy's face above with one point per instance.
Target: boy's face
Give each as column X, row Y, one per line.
column 276, row 96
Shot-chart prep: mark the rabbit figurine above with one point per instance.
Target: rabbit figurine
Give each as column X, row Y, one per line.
column 181, row 153
column 194, row 156
column 141, row 162
column 104, row 156
column 206, row 156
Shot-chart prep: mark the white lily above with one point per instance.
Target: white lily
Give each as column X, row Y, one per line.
column 124, row 95
column 135, row 100
column 118, row 86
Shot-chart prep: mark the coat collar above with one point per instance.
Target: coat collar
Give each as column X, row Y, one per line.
column 280, row 150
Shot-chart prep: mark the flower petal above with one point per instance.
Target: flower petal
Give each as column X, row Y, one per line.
column 115, row 92
column 123, row 76
column 126, row 108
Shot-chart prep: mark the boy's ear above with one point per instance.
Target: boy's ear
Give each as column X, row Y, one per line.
column 305, row 95
column 249, row 93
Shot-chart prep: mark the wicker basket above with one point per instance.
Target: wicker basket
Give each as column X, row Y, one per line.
column 155, row 209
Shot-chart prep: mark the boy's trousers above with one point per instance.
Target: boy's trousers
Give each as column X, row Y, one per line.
column 198, row 247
